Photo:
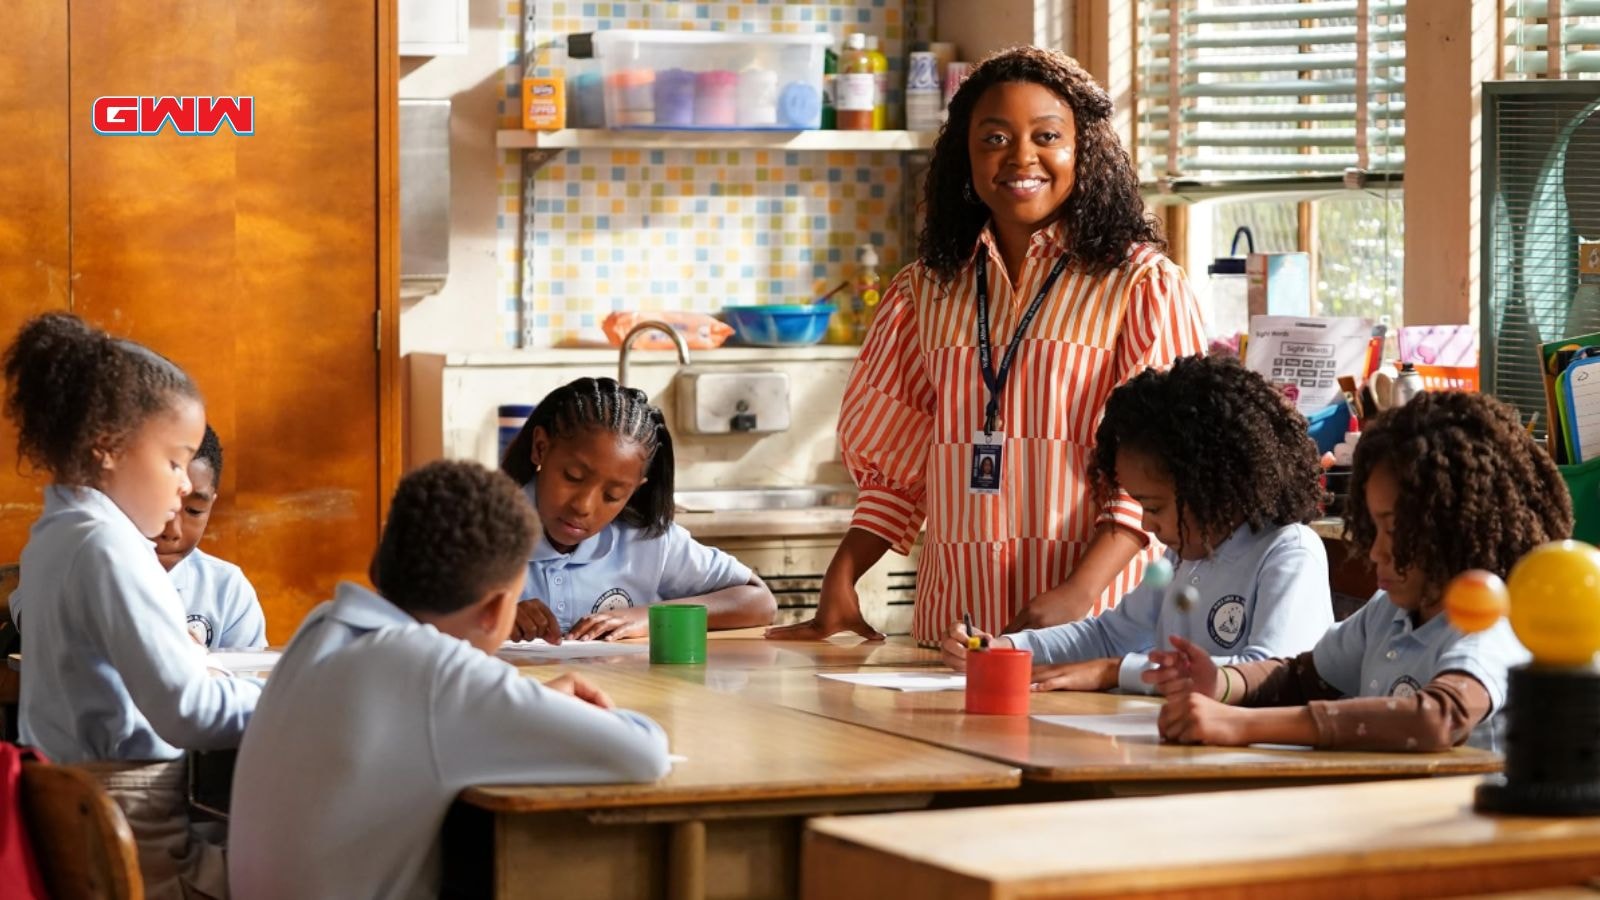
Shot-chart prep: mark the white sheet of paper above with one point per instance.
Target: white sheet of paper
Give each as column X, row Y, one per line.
column 572, row 649
column 1116, row 725
column 1305, row 357
column 905, row 681
column 243, row 660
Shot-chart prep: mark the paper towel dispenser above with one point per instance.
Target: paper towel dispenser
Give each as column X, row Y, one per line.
column 424, row 196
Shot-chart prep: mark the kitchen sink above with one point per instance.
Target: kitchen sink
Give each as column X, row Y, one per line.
column 723, row 499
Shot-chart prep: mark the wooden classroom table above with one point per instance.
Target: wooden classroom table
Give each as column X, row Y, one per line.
column 1073, row 763
column 725, row 823
column 1379, row 840
column 747, row 649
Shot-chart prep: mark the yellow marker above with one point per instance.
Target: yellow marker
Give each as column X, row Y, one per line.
column 1555, row 603
column 974, row 642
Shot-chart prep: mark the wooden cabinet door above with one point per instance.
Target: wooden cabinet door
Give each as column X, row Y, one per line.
column 34, row 260
column 259, row 263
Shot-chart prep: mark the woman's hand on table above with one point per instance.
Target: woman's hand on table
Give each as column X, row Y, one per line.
column 838, row 610
column 1057, row 606
column 535, row 620
column 1089, row 675
column 953, row 649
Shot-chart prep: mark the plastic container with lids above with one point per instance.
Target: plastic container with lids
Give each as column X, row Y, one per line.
column 635, row 61
column 1230, row 289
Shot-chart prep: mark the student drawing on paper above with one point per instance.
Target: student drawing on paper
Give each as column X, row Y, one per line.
column 1450, row 481
column 595, row 460
column 1226, row 474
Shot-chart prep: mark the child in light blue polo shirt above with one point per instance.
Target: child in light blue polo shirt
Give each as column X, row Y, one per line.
column 108, row 676
column 219, row 602
column 1447, row 483
column 595, row 459
column 1227, row 475
column 387, row 705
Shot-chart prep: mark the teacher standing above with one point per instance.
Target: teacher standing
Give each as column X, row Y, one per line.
column 1041, row 284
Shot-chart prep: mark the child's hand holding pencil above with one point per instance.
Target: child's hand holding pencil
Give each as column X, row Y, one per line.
column 964, row 637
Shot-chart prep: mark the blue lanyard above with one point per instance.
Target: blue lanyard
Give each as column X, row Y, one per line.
column 996, row 381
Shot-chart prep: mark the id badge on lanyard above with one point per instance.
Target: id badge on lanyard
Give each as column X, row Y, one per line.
column 988, row 443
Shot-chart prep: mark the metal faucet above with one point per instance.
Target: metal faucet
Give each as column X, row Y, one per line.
column 641, row 328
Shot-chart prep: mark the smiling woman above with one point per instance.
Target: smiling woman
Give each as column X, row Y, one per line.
column 1040, row 286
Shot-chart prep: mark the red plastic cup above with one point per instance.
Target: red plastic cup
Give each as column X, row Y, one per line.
column 999, row 681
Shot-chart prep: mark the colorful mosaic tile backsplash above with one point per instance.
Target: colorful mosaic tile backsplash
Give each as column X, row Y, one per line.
column 607, row 230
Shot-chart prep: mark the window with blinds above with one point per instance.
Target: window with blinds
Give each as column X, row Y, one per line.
column 1249, row 89
column 1528, row 50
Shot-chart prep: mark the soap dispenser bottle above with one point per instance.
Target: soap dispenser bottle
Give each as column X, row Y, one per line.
column 868, row 292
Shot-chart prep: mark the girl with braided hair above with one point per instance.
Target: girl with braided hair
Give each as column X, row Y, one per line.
column 595, row 459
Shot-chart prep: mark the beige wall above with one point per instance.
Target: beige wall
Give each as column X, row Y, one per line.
column 465, row 315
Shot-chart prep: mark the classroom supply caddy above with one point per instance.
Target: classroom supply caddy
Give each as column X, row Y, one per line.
column 711, row 81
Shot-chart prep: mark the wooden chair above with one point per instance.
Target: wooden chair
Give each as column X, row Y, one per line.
column 10, row 680
column 80, row 839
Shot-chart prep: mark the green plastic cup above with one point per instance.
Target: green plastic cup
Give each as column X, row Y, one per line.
column 677, row 634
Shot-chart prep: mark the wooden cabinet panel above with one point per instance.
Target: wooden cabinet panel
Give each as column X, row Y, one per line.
column 256, row 262
column 34, row 256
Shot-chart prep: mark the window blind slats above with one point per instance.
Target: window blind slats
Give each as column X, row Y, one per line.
column 1537, row 62
column 1304, row 87
column 1287, row 38
column 1528, row 31
column 1234, row 88
column 1283, row 112
column 1539, row 35
column 1308, row 138
column 1540, row 9
column 1297, row 62
column 1158, row 11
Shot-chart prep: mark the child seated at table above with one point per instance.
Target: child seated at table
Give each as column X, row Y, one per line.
column 386, row 705
column 220, row 602
column 1227, row 474
column 595, row 460
column 1447, row 483
column 109, row 680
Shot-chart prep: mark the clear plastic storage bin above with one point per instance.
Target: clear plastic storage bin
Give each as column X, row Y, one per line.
column 712, row 81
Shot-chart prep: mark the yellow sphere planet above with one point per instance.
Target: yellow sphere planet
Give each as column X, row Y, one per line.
column 1555, row 603
column 1475, row 600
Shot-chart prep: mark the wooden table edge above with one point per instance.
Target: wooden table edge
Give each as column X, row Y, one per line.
column 487, row 798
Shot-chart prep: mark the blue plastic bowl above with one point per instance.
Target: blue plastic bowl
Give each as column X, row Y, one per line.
column 788, row 325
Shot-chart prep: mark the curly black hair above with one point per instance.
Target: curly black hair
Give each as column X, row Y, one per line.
column 624, row 411
column 210, row 452
column 456, row 531
column 73, row 390
column 1105, row 213
column 1476, row 490
column 1237, row 450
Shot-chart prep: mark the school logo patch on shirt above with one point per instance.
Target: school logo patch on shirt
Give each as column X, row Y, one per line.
column 1226, row 622
column 1405, row 687
column 200, row 629
column 612, row 600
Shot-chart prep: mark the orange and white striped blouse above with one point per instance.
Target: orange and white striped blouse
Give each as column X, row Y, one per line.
column 916, row 397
